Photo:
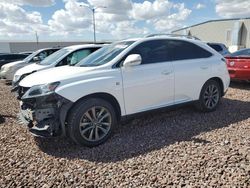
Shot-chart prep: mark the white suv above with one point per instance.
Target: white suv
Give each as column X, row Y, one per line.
column 86, row 101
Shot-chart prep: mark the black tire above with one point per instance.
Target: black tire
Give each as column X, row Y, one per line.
column 203, row 103
column 77, row 117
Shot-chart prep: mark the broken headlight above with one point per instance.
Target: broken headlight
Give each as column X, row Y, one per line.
column 41, row 90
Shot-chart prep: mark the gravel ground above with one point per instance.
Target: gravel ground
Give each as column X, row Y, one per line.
column 169, row 148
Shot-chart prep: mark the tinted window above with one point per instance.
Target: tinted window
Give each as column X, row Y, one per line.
column 152, row 51
column 216, row 47
column 181, row 50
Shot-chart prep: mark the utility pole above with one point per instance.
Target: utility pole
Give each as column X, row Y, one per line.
column 37, row 39
column 93, row 10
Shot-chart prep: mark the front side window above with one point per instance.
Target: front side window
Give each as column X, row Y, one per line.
column 152, row 51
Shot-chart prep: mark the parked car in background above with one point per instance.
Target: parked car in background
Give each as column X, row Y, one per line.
column 70, row 55
column 7, row 58
column 87, row 100
column 7, row 71
column 238, row 64
column 219, row 47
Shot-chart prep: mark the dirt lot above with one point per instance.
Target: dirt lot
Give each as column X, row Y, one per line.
column 169, row 148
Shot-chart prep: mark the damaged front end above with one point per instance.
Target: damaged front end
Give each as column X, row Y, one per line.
column 43, row 110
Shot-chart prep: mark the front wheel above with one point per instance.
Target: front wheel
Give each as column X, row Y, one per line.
column 209, row 97
column 91, row 122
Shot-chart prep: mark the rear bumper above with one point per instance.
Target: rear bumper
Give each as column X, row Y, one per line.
column 239, row 74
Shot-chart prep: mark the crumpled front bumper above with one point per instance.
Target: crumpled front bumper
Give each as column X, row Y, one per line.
column 45, row 116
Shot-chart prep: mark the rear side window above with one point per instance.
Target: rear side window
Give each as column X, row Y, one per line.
column 183, row 50
column 216, row 47
column 152, row 51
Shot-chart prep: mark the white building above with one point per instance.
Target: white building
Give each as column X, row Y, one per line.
column 234, row 33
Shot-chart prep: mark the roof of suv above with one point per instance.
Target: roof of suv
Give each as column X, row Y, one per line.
column 163, row 36
column 75, row 47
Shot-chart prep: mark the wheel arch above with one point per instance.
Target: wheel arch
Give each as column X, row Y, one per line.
column 105, row 96
column 219, row 81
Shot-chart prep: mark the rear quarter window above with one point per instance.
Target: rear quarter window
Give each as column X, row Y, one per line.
column 216, row 47
column 183, row 50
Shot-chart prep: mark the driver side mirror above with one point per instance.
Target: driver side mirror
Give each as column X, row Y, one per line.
column 35, row 59
column 132, row 60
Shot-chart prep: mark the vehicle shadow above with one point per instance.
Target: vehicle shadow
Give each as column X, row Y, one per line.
column 152, row 131
column 2, row 119
column 240, row 85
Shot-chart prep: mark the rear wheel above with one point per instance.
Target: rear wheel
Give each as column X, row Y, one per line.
column 91, row 122
column 210, row 96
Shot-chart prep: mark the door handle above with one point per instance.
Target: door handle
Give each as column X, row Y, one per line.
column 166, row 72
column 204, row 67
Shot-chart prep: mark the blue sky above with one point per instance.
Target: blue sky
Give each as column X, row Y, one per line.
column 66, row 20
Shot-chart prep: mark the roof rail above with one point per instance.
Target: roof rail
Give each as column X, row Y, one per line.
column 172, row 35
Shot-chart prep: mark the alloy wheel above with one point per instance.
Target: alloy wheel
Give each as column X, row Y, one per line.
column 211, row 96
column 95, row 123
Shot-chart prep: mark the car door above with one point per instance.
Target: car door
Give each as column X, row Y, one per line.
column 192, row 65
column 149, row 85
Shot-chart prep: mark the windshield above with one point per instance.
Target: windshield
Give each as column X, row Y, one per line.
column 54, row 57
column 245, row 52
column 27, row 59
column 105, row 54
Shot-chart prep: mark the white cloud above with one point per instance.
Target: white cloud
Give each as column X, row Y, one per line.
column 120, row 7
column 200, row 6
column 163, row 14
column 126, row 29
column 120, row 18
column 71, row 19
column 151, row 10
column 15, row 20
column 233, row 8
column 38, row 3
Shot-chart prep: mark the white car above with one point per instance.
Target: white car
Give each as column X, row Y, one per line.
column 70, row 55
column 86, row 101
column 8, row 70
